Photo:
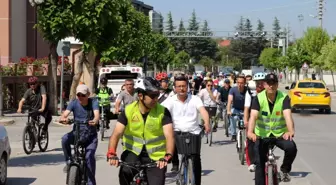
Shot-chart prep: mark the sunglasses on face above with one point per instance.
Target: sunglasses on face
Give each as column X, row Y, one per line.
column 81, row 95
column 153, row 95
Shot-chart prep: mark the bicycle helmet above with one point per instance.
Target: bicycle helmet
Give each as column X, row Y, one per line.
column 147, row 84
column 161, row 76
column 259, row 76
column 103, row 80
column 32, row 79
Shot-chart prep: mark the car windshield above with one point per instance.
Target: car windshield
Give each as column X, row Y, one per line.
column 311, row 85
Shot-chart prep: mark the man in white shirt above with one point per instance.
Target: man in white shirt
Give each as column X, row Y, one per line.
column 258, row 78
column 184, row 109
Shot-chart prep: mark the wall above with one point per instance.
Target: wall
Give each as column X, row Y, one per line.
column 18, row 29
column 5, row 17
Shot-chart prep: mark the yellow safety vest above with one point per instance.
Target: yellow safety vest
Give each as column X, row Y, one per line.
column 138, row 134
column 270, row 122
column 103, row 94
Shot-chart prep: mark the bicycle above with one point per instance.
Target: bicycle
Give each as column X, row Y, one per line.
column 241, row 137
column 187, row 144
column 272, row 176
column 225, row 118
column 213, row 121
column 103, row 118
column 34, row 133
column 77, row 171
column 141, row 177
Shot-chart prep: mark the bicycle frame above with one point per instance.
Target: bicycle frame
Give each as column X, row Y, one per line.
column 141, row 176
column 271, row 161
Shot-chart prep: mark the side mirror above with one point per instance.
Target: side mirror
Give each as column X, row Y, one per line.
column 287, row 87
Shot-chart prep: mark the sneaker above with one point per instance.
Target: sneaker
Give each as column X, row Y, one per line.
column 174, row 168
column 234, row 138
column 284, row 177
column 66, row 168
column 252, row 168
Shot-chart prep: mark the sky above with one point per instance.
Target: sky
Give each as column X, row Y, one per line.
column 223, row 15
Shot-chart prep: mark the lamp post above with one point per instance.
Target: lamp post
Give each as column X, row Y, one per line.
column 34, row 4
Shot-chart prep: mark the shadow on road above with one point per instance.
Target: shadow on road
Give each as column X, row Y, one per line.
column 171, row 176
column 221, row 143
column 35, row 160
column 55, row 150
column 20, row 180
column 299, row 174
column 206, row 172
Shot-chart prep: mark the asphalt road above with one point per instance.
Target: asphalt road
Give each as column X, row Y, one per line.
column 314, row 164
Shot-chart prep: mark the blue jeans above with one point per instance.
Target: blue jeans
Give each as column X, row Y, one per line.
column 69, row 139
column 233, row 121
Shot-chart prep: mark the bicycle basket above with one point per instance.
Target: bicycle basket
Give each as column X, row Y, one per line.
column 187, row 143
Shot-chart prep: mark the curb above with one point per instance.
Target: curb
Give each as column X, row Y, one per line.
column 6, row 121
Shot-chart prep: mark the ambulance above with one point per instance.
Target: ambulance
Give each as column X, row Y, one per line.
column 116, row 75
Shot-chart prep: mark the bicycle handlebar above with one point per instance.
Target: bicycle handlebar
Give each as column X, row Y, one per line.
column 136, row 165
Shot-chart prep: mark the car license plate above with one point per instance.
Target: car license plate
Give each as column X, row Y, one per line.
column 120, row 69
column 312, row 94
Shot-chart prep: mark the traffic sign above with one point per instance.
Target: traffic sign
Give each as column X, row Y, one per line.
column 63, row 48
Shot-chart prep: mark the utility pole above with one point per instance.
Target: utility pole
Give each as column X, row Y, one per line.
column 320, row 12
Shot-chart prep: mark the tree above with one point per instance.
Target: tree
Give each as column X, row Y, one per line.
column 276, row 26
column 54, row 23
column 161, row 51
column 181, row 59
column 207, row 46
column 170, row 23
column 180, row 44
column 297, row 55
column 313, row 41
column 192, row 44
column 248, row 26
column 260, row 26
column 269, row 57
column 327, row 59
column 240, row 26
column 207, row 62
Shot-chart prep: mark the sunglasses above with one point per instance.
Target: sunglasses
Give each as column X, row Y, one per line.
column 81, row 95
column 154, row 95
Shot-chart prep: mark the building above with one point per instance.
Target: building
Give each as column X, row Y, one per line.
column 18, row 38
column 156, row 20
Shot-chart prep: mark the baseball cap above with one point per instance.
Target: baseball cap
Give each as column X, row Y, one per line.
column 271, row 78
column 82, row 89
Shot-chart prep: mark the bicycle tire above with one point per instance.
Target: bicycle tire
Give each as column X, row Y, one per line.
column 73, row 176
column 211, row 131
column 226, row 125
column 270, row 175
column 102, row 130
column 31, row 140
column 242, row 149
column 190, row 173
column 39, row 137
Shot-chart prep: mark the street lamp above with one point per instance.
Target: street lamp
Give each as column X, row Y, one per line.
column 35, row 2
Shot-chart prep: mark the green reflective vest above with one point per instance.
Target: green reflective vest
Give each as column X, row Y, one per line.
column 270, row 122
column 138, row 134
column 103, row 94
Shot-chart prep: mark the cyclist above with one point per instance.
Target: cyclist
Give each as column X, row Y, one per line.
column 127, row 96
column 84, row 109
column 271, row 109
column 105, row 93
column 249, row 150
column 184, row 108
column 165, row 91
column 236, row 99
column 36, row 98
column 144, row 121
column 197, row 84
column 209, row 95
column 224, row 94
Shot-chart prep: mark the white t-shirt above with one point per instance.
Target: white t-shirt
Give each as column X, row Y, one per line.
column 185, row 114
column 248, row 98
column 204, row 95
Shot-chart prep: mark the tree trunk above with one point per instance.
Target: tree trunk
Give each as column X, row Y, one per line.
column 332, row 75
column 52, row 74
column 78, row 71
column 90, row 64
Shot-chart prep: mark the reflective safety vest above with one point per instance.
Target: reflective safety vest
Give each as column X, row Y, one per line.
column 103, row 94
column 138, row 134
column 270, row 122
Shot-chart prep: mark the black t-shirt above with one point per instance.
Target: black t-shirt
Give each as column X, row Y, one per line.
column 34, row 98
column 256, row 105
column 167, row 119
column 198, row 81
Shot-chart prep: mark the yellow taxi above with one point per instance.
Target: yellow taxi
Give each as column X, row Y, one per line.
column 310, row 94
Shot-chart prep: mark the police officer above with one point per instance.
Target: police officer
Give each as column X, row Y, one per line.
column 271, row 117
column 144, row 121
column 105, row 93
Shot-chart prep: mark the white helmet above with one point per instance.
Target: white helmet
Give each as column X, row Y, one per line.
column 147, row 84
column 259, row 76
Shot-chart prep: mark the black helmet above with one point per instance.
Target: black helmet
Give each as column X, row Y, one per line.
column 147, row 84
column 103, row 80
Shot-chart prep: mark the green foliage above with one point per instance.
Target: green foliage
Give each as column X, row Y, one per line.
column 248, row 26
column 297, row 55
column 276, row 26
column 206, row 62
column 161, row 51
column 170, row 23
column 269, row 57
column 327, row 59
column 181, row 59
column 260, row 26
column 313, row 41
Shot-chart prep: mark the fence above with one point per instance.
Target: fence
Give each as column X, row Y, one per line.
column 14, row 87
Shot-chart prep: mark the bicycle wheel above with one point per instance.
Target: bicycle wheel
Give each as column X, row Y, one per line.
column 102, row 129
column 242, row 148
column 270, row 175
column 226, row 125
column 73, row 176
column 211, row 131
column 42, row 139
column 29, row 136
column 190, row 176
